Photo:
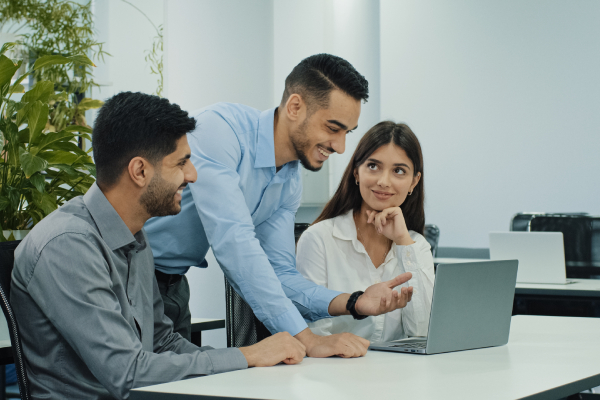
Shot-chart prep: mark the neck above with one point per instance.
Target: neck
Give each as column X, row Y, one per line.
column 284, row 149
column 127, row 205
column 368, row 231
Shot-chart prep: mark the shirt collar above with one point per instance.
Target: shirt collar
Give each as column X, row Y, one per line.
column 110, row 225
column 344, row 228
column 265, row 140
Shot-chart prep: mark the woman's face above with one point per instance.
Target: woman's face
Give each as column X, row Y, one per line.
column 386, row 177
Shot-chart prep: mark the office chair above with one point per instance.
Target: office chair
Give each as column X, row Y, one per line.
column 243, row 328
column 7, row 258
column 581, row 233
column 432, row 235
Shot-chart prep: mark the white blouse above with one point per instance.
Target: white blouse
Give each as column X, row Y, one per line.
column 329, row 254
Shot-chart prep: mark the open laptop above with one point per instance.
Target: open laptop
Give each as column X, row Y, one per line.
column 471, row 308
column 541, row 255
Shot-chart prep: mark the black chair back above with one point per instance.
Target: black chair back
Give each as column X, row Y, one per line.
column 581, row 233
column 243, row 328
column 7, row 259
column 432, row 235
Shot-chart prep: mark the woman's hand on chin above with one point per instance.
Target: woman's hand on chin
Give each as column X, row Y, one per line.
column 390, row 223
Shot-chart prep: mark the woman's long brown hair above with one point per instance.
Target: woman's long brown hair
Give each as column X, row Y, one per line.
column 347, row 197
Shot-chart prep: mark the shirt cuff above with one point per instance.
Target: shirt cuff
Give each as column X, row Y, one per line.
column 290, row 321
column 224, row 360
column 408, row 255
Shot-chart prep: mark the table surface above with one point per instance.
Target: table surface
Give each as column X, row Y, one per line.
column 546, row 357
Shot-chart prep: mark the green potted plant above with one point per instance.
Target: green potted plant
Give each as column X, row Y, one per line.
column 40, row 167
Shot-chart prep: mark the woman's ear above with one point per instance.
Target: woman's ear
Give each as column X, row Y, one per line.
column 355, row 173
column 415, row 181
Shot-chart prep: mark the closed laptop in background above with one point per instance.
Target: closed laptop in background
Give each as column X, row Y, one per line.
column 471, row 308
column 541, row 255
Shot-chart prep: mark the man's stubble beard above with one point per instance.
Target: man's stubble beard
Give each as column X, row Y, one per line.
column 158, row 199
column 302, row 145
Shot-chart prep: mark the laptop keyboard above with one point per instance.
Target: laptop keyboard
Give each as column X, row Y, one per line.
column 418, row 345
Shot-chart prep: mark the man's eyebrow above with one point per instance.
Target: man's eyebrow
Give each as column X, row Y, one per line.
column 342, row 126
column 186, row 157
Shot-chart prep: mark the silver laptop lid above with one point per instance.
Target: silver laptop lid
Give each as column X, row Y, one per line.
column 472, row 305
column 541, row 255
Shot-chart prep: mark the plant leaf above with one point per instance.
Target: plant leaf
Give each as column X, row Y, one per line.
column 78, row 128
column 38, row 118
column 47, row 61
column 62, row 157
column 17, row 88
column 89, row 104
column 39, row 181
column 7, row 46
column 45, row 202
column 62, row 96
column 7, row 70
column 4, row 202
column 49, row 139
column 41, row 91
column 31, row 164
column 24, row 136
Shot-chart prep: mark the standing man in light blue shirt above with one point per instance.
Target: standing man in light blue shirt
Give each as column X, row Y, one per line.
column 244, row 202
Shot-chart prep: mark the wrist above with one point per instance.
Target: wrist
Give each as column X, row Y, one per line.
column 306, row 337
column 351, row 305
column 404, row 240
column 248, row 353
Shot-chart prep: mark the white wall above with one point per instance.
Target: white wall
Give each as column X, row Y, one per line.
column 127, row 35
column 504, row 96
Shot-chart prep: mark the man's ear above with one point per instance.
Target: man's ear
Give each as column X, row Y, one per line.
column 295, row 107
column 140, row 171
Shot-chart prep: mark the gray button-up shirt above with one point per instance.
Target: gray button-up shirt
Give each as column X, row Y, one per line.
column 90, row 313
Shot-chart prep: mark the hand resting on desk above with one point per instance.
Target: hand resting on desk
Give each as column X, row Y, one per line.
column 281, row 347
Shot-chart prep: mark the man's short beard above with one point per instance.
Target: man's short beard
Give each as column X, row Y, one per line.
column 301, row 145
column 158, row 199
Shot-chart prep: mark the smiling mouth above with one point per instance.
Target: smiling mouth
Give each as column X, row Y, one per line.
column 324, row 152
column 382, row 195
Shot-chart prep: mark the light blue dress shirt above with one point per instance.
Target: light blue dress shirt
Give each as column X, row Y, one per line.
column 244, row 208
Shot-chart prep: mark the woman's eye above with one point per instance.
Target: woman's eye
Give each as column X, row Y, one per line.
column 399, row 171
column 372, row 166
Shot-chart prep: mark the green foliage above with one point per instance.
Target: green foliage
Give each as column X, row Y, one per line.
column 40, row 169
column 154, row 57
column 58, row 29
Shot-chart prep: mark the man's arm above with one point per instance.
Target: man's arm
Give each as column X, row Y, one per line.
column 76, row 295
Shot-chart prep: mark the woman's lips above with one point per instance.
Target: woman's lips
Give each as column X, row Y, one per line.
column 382, row 195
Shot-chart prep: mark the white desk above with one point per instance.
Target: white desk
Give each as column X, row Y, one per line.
column 579, row 288
column 547, row 357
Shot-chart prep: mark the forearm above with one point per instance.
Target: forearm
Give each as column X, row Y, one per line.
column 338, row 305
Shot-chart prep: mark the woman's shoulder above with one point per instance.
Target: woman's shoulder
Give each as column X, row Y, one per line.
column 320, row 228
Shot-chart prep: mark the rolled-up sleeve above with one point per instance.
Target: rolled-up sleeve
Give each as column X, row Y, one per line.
column 76, row 294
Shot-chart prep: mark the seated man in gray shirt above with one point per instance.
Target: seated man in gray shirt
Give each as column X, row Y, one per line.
column 83, row 287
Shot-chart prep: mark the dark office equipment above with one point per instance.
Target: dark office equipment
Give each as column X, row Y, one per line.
column 243, row 328
column 7, row 258
column 581, row 233
column 299, row 228
column 432, row 235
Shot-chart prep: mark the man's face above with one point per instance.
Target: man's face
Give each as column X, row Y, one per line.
column 163, row 194
column 324, row 132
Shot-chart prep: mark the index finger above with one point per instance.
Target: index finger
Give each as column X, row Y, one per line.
column 399, row 280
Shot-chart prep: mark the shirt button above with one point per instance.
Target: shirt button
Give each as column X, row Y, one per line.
column 130, row 302
column 378, row 281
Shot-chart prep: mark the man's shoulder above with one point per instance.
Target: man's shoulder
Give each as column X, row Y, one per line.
column 73, row 218
column 239, row 117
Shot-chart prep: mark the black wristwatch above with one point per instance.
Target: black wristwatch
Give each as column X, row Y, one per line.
column 351, row 305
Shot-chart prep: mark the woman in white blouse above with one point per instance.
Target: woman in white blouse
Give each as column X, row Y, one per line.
column 371, row 231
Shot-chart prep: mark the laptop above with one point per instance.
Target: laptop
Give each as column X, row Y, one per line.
column 471, row 308
column 541, row 255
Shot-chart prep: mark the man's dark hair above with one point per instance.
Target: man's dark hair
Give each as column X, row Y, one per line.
column 135, row 124
column 316, row 76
